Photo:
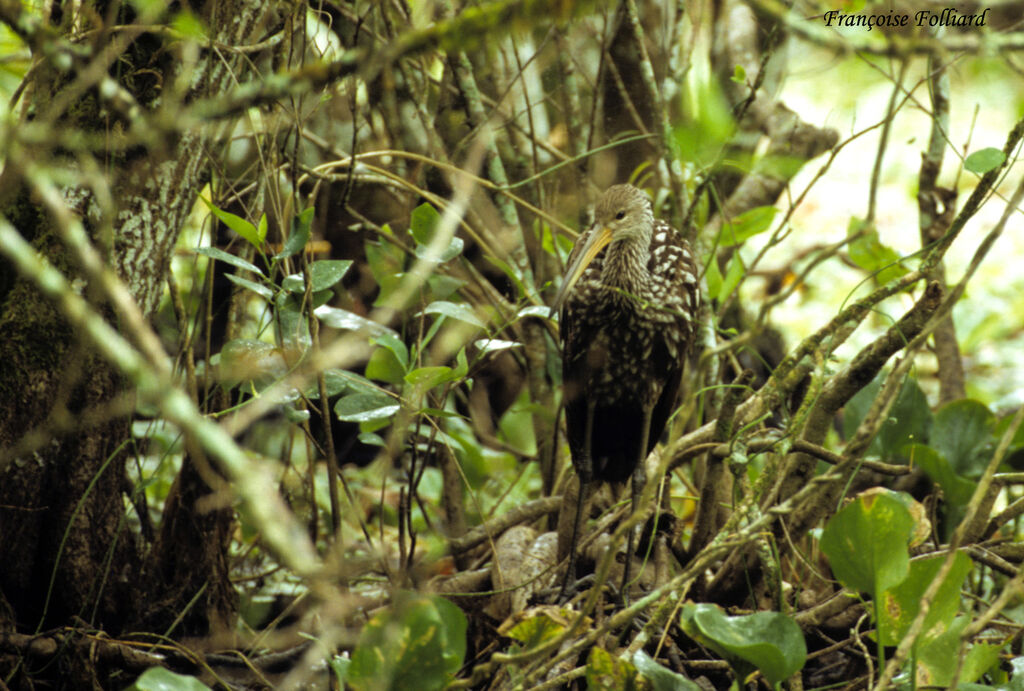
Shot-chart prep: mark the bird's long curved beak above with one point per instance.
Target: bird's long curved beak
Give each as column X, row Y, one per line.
column 597, row 241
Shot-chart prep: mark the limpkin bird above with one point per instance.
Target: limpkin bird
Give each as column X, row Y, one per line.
column 628, row 314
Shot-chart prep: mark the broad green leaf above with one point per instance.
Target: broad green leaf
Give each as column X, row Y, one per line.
column 337, row 318
column 385, row 259
column 493, row 345
column 366, row 407
column 869, row 253
column 901, row 603
column 418, row 642
column 339, row 665
column 384, row 366
column 323, row 274
column 228, row 258
column 909, row 420
column 608, row 673
column 392, row 342
column 335, row 381
column 958, row 489
column 298, row 238
column 739, row 75
column 426, row 378
column 962, row 431
column 661, row 678
column 984, row 160
column 453, row 250
column 257, row 288
column 866, row 543
column 244, row 228
column 769, row 641
column 733, row 276
column 423, row 223
column 937, row 660
column 713, row 277
column 459, row 311
column 747, row 225
column 162, row 679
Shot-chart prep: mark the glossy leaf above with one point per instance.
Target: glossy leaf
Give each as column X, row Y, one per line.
column 418, row 642
column 984, row 160
column 659, row 677
column 228, row 258
column 298, row 238
column 161, row 679
column 459, row 311
column 909, row 421
column 337, row 318
column 384, row 366
column 747, row 225
column 901, row 603
column 244, row 228
column 323, row 274
column 866, row 543
column 956, row 488
column 768, row 641
column 493, row 345
column 257, row 288
column 937, row 660
column 962, row 431
column 869, row 253
column 426, row 378
column 366, row 407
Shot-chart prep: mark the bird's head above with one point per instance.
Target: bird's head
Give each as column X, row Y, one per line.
column 622, row 214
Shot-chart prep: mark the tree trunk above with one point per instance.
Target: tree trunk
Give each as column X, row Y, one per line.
column 64, row 426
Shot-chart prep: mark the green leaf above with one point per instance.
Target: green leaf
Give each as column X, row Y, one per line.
column 257, row 288
column 957, row 489
column 909, row 421
column 866, row 543
column 423, row 223
column 901, row 604
column 937, row 660
column 733, row 275
column 739, row 75
column 459, row 311
column 869, row 253
column 426, row 378
column 747, row 225
column 962, row 431
column 366, row 407
column 161, row 679
column 713, row 278
column 323, row 274
column 418, row 642
column 337, row 318
column 336, row 381
column 984, row 160
column 244, row 228
column 535, row 629
column 299, row 237
column 769, row 641
column 493, row 345
column 661, row 678
column 608, row 673
column 228, row 258
column 453, row 250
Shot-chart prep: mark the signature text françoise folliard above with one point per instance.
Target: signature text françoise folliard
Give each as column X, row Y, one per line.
column 947, row 17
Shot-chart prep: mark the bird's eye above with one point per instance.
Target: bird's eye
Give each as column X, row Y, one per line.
column 621, row 215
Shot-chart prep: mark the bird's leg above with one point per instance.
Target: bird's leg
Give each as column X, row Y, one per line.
column 636, row 489
column 585, row 473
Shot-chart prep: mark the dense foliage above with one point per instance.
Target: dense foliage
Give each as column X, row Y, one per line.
column 281, row 387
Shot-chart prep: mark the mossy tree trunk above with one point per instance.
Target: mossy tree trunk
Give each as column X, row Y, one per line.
column 65, row 541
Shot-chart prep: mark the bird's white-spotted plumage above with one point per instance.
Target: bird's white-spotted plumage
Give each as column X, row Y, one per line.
column 627, row 325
